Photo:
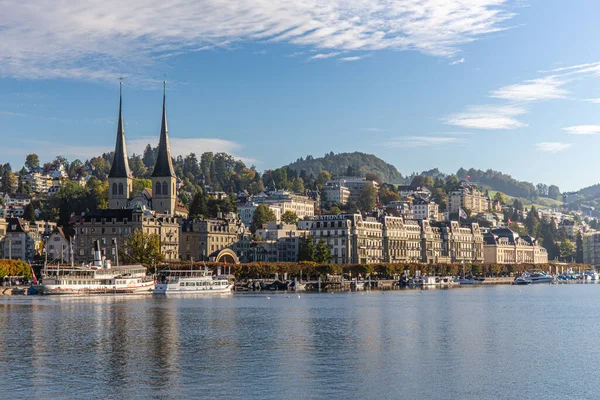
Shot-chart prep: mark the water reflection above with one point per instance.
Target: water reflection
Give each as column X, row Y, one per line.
column 500, row 342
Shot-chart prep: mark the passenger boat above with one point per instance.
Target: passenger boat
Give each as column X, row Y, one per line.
column 191, row 281
column 98, row 278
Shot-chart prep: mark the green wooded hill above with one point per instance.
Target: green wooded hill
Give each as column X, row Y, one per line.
column 337, row 164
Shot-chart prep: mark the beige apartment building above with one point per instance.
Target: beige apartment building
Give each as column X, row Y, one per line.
column 203, row 239
column 504, row 246
column 468, row 197
column 401, row 240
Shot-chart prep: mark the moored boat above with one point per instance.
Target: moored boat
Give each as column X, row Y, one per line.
column 191, row 281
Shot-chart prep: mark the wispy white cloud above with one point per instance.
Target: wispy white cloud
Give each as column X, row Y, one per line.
column 353, row 58
column 422, row 141
column 460, row 61
column 260, row 52
column 546, row 88
column 11, row 114
column 552, row 147
column 373, row 130
column 488, row 117
column 97, row 40
column 595, row 101
column 323, row 56
column 583, row 129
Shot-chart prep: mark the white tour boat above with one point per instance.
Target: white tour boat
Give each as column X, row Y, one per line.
column 191, row 281
column 98, row 278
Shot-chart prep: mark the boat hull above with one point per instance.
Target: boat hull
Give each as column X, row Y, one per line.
column 160, row 289
column 56, row 290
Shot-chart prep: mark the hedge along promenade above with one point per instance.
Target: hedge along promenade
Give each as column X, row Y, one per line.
column 14, row 268
column 312, row 270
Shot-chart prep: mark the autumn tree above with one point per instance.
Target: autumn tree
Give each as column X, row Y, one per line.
column 143, row 248
column 32, row 161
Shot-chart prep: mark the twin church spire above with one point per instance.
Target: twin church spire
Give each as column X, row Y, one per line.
column 163, row 176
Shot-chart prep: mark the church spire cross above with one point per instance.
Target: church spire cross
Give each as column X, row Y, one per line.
column 164, row 164
column 120, row 164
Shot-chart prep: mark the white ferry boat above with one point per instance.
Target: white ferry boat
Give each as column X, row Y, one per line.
column 98, row 278
column 191, row 281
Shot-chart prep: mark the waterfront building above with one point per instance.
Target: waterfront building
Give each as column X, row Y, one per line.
column 20, row 242
column 468, row 197
column 463, row 243
column 434, row 244
column 204, row 239
column 401, row 240
column 505, row 246
column 352, row 239
column 113, row 227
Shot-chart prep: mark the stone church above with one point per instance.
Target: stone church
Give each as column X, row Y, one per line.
column 156, row 210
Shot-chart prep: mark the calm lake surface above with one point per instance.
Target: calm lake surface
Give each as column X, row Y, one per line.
column 501, row 342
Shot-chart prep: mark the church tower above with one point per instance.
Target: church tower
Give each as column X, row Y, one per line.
column 164, row 192
column 120, row 182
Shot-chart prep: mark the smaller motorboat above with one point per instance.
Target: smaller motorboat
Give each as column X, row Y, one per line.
column 522, row 281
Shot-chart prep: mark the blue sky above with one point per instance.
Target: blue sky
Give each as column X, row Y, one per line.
column 508, row 85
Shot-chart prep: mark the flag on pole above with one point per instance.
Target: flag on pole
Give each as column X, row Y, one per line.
column 462, row 213
column 509, row 222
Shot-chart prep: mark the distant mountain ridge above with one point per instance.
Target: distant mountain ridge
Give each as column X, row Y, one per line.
column 337, row 164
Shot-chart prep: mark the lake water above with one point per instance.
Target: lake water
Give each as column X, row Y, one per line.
column 501, row 342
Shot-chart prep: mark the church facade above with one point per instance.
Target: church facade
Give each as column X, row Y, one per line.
column 158, row 210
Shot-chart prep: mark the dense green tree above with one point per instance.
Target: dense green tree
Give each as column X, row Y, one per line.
column 32, row 161
column 306, row 251
column 262, row 215
column 149, row 157
column 368, row 198
column 322, row 252
column 198, row 207
column 532, row 222
column 289, row 217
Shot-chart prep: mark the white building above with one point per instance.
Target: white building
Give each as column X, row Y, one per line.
column 354, row 185
column 246, row 212
column 425, row 209
column 334, row 192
